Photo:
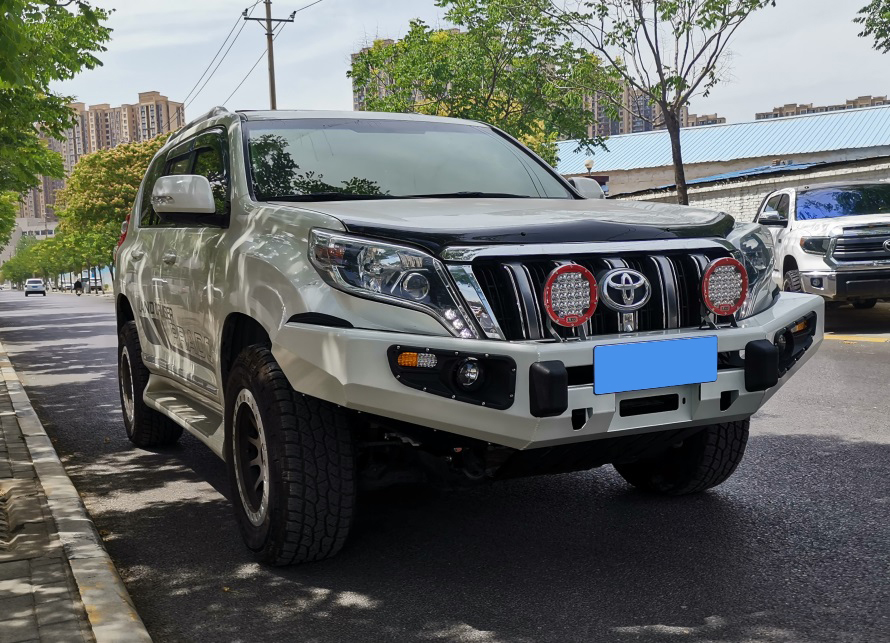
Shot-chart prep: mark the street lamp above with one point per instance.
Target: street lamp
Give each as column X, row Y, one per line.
column 589, row 165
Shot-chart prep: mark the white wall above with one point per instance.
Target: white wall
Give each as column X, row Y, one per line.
column 742, row 197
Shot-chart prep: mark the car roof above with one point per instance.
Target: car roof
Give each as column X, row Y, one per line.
column 283, row 114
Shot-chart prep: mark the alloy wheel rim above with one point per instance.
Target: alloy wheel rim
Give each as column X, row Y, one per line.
column 126, row 383
column 251, row 458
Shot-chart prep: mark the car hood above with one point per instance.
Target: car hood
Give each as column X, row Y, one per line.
column 837, row 226
column 434, row 224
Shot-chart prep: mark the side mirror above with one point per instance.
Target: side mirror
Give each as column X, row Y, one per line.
column 772, row 218
column 588, row 188
column 183, row 193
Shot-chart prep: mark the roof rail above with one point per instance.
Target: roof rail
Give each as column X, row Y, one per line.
column 216, row 111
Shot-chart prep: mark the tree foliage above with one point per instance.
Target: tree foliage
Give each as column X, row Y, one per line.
column 99, row 194
column 666, row 51
column 40, row 42
column 875, row 21
column 9, row 203
column 508, row 65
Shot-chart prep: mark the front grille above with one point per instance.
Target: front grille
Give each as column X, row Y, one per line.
column 514, row 289
column 862, row 248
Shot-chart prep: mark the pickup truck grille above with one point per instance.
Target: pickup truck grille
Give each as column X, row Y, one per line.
column 862, row 248
column 514, row 290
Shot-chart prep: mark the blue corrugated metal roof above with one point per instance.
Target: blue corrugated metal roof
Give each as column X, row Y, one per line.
column 751, row 171
column 847, row 129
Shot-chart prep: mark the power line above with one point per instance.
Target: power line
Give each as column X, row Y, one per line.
column 258, row 61
column 221, row 60
column 201, row 77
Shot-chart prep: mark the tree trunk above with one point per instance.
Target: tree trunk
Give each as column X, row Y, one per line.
column 111, row 271
column 673, row 128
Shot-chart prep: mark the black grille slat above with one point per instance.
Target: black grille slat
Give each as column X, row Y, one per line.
column 683, row 268
column 862, row 248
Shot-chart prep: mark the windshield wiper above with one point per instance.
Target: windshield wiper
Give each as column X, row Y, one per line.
column 468, row 195
column 326, row 196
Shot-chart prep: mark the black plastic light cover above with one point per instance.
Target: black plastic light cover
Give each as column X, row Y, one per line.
column 761, row 365
column 496, row 389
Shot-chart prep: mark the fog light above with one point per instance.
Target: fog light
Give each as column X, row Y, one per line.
column 469, row 373
column 816, row 282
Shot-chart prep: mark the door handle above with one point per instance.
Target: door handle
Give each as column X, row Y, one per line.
column 169, row 258
column 137, row 254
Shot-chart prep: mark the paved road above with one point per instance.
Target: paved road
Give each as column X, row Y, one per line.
column 794, row 548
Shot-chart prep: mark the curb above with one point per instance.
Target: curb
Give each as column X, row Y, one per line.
column 109, row 608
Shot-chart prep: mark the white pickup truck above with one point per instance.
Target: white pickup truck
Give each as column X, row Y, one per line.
column 832, row 240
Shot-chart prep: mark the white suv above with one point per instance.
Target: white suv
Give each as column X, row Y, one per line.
column 35, row 287
column 832, row 240
column 333, row 301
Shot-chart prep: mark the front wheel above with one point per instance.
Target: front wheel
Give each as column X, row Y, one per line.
column 865, row 304
column 291, row 464
column 701, row 461
column 792, row 282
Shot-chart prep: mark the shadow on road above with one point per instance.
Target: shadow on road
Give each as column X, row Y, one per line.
column 788, row 550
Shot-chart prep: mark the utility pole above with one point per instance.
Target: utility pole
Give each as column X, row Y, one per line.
column 273, row 103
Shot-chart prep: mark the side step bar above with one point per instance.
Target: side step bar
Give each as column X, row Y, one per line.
column 202, row 419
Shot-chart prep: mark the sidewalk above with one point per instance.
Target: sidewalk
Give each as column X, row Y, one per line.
column 57, row 583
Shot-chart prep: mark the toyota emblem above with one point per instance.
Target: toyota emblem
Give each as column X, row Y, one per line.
column 625, row 290
column 887, row 245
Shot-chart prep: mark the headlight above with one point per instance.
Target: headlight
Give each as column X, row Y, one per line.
column 755, row 245
column 815, row 245
column 389, row 273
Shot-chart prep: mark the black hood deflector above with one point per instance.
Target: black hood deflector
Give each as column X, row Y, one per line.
column 592, row 230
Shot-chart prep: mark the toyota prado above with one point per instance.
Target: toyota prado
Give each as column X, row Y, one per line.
column 342, row 301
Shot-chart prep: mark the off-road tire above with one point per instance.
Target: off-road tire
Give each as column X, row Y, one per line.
column 309, row 461
column 792, row 282
column 701, row 461
column 146, row 427
column 865, row 304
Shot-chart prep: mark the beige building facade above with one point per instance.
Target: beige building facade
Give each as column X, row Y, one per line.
column 793, row 109
column 635, row 114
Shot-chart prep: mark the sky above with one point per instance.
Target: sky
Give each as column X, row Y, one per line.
column 801, row 51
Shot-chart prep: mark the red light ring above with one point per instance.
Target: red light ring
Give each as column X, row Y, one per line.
column 706, row 282
column 570, row 321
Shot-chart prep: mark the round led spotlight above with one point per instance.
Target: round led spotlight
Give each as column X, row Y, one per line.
column 570, row 295
column 469, row 373
column 724, row 286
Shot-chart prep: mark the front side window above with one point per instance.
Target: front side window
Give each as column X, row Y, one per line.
column 147, row 215
column 850, row 201
column 210, row 162
column 340, row 158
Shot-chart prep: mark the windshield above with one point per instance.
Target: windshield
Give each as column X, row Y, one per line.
column 339, row 158
column 829, row 203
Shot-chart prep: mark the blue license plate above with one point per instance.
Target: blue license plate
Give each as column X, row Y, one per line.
column 646, row 365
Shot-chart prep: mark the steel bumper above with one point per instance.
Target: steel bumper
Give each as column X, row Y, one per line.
column 351, row 367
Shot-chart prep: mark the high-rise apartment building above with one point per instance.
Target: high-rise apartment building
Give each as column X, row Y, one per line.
column 100, row 127
column 793, row 109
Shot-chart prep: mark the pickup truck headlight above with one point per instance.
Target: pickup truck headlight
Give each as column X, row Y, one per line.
column 755, row 245
column 390, row 273
column 815, row 245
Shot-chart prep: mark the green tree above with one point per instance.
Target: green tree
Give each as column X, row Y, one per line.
column 875, row 19
column 665, row 51
column 40, row 43
column 9, row 203
column 509, row 65
column 98, row 197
